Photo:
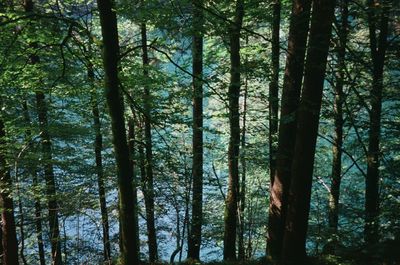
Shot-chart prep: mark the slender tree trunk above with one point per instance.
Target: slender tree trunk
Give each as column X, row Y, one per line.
column 98, row 146
column 149, row 185
column 242, row 194
column 132, row 147
column 1, row 245
column 35, row 185
column 49, row 179
column 338, row 119
column 9, row 235
column 298, row 31
column 274, row 90
column 194, row 239
column 38, row 221
column 377, row 18
column 234, row 140
column 47, row 164
column 108, row 21
column 294, row 251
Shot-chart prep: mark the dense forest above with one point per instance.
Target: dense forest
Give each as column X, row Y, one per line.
column 187, row 131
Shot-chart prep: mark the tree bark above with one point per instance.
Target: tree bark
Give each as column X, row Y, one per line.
column 108, row 21
column 132, row 147
column 234, row 139
column 338, row 120
column 51, row 192
column 9, row 234
column 242, row 194
column 35, row 185
column 194, row 239
column 377, row 18
column 298, row 31
column 98, row 147
column 274, row 89
column 294, row 250
column 149, row 183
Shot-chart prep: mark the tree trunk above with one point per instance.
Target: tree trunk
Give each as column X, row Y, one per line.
column 51, row 193
column 49, row 178
column 274, row 89
column 194, row 239
column 242, row 194
column 108, row 21
column 35, row 185
column 298, row 31
column 294, row 251
column 234, row 140
column 377, row 18
column 9, row 235
column 149, row 184
column 338, row 119
column 131, row 144
column 98, row 146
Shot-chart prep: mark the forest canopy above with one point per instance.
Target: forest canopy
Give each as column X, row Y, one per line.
column 152, row 131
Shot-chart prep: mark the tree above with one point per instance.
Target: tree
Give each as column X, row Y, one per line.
column 35, row 184
column 338, row 118
column 234, row 139
column 49, row 177
column 8, row 234
column 98, row 146
column 149, row 180
column 274, row 89
column 194, row 239
column 294, row 243
column 377, row 19
column 108, row 21
column 298, row 31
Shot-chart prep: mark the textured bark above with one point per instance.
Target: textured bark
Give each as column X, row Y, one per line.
column 49, row 177
column 98, row 146
column 377, row 19
column 274, row 90
column 294, row 251
column 9, row 235
column 132, row 147
column 298, row 31
column 35, row 184
column 234, row 139
column 242, row 194
column 149, row 183
column 338, row 120
column 108, row 21
column 194, row 239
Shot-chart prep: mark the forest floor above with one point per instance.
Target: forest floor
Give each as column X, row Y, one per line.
column 357, row 259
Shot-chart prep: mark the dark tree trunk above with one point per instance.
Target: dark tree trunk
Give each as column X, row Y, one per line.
column 132, row 147
column 49, row 178
column 377, row 19
column 298, row 31
column 242, row 194
column 98, row 147
column 108, row 21
column 149, row 183
column 338, row 119
column 194, row 239
column 294, row 251
column 35, row 184
column 47, row 164
column 274, row 90
column 234, row 140
column 9, row 235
